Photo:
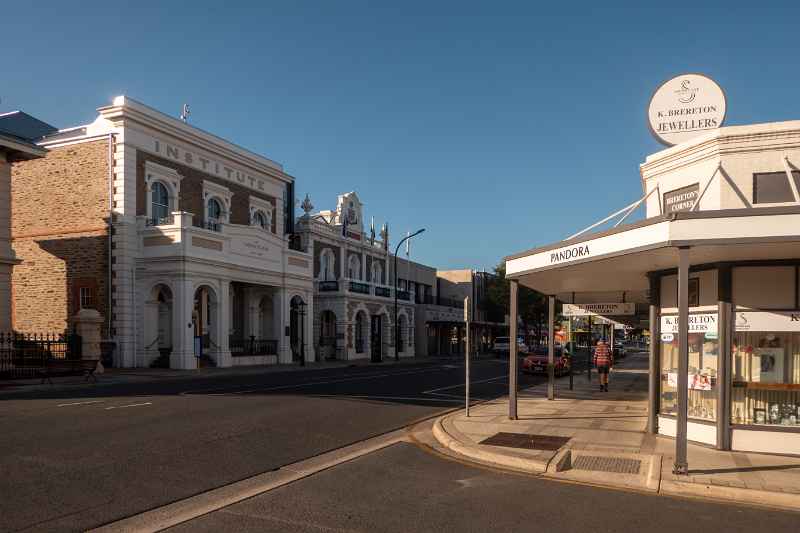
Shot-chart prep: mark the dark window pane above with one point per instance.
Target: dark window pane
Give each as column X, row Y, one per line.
column 771, row 187
column 796, row 177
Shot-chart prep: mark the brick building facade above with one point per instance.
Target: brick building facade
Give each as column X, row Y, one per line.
column 60, row 230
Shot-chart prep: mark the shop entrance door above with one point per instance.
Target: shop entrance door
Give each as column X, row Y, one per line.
column 376, row 338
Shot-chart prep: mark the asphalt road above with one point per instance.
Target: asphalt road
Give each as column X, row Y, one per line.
column 406, row 489
column 79, row 459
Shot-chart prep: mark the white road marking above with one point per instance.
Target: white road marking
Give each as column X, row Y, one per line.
column 435, row 392
column 80, row 403
column 231, row 390
column 129, row 405
column 403, row 398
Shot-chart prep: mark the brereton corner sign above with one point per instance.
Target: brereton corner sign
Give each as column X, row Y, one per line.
column 684, row 107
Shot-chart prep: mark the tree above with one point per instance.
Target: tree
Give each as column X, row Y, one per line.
column 531, row 305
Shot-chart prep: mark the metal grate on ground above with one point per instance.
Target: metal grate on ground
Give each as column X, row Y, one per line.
column 526, row 441
column 616, row 465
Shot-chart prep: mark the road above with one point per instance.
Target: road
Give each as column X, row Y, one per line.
column 406, row 489
column 78, row 459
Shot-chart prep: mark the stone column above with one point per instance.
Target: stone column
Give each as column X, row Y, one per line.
column 224, row 328
column 182, row 355
column 87, row 325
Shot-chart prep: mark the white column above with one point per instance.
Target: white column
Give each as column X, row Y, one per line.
column 284, row 350
column 148, row 343
column 309, row 328
column 224, row 327
column 183, row 333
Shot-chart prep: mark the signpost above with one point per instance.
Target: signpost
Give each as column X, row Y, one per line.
column 466, row 352
column 601, row 309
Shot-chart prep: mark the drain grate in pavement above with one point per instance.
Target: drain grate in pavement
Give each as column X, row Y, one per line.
column 617, row 465
column 526, row 441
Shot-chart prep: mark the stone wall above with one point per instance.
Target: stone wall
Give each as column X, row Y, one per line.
column 59, row 231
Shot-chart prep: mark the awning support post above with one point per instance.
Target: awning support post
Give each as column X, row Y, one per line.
column 512, row 351
column 681, row 466
column 653, row 391
column 551, row 359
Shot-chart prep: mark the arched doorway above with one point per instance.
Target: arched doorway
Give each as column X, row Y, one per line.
column 402, row 328
column 265, row 318
column 379, row 335
column 297, row 311
column 158, row 334
column 205, row 320
column 327, row 334
column 361, row 332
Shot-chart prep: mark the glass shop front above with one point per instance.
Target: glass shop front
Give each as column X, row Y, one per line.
column 762, row 370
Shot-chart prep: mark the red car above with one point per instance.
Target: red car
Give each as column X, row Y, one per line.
column 536, row 361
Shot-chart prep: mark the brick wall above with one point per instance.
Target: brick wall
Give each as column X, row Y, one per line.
column 59, row 231
column 190, row 198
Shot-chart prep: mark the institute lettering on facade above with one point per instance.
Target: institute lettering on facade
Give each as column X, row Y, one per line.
column 189, row 248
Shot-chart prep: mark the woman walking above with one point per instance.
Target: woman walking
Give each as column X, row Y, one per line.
column 603, row 360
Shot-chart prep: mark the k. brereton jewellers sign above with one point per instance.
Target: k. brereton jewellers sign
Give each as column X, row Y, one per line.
column 684, row 107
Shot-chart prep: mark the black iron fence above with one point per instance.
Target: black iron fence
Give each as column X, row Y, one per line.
column 328, row 286
column 361, row 288
column 241, row 347
column 24, row 355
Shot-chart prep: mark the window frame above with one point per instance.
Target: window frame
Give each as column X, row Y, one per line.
column 171, row 180
column 792, row 180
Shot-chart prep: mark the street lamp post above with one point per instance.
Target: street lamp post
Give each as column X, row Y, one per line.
column 396, row 327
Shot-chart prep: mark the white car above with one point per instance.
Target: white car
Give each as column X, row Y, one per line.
column 502, row 346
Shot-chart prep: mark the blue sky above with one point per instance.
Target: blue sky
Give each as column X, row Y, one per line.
column 498, row 126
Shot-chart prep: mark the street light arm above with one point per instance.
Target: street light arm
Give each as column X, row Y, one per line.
column 397, row 249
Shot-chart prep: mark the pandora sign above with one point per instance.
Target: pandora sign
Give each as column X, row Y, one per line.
column 685, row 107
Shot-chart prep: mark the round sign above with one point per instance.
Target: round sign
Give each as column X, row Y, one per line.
column 684, row 107
column 667, row 337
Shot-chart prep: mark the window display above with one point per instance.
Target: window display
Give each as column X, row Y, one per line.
column 703, row 353
column 766, row 378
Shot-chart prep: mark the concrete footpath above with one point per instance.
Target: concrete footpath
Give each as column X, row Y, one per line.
column 589, row 436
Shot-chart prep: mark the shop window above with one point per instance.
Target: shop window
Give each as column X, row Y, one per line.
column 766, row 378
column 774, row 187
column 703, row 358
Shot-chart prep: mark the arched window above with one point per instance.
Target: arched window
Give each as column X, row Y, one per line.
column 326, row 265
column 159, row 208
column 354, row 267
column 213, row 210
column 376, row 272
column 260, row 220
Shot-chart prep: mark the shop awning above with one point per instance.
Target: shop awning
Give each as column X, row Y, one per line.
column 619, row 259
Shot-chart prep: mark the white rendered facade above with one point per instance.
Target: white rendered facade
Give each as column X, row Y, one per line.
column 353, row 295
column 186, row 285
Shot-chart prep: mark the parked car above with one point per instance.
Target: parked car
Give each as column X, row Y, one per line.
column 536, row 361
column 502, row 347
column 619, row 350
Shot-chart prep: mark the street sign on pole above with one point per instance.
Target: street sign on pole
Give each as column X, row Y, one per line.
column 466, row 352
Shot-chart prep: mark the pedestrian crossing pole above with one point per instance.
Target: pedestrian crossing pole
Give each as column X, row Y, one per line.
column 466, row 353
